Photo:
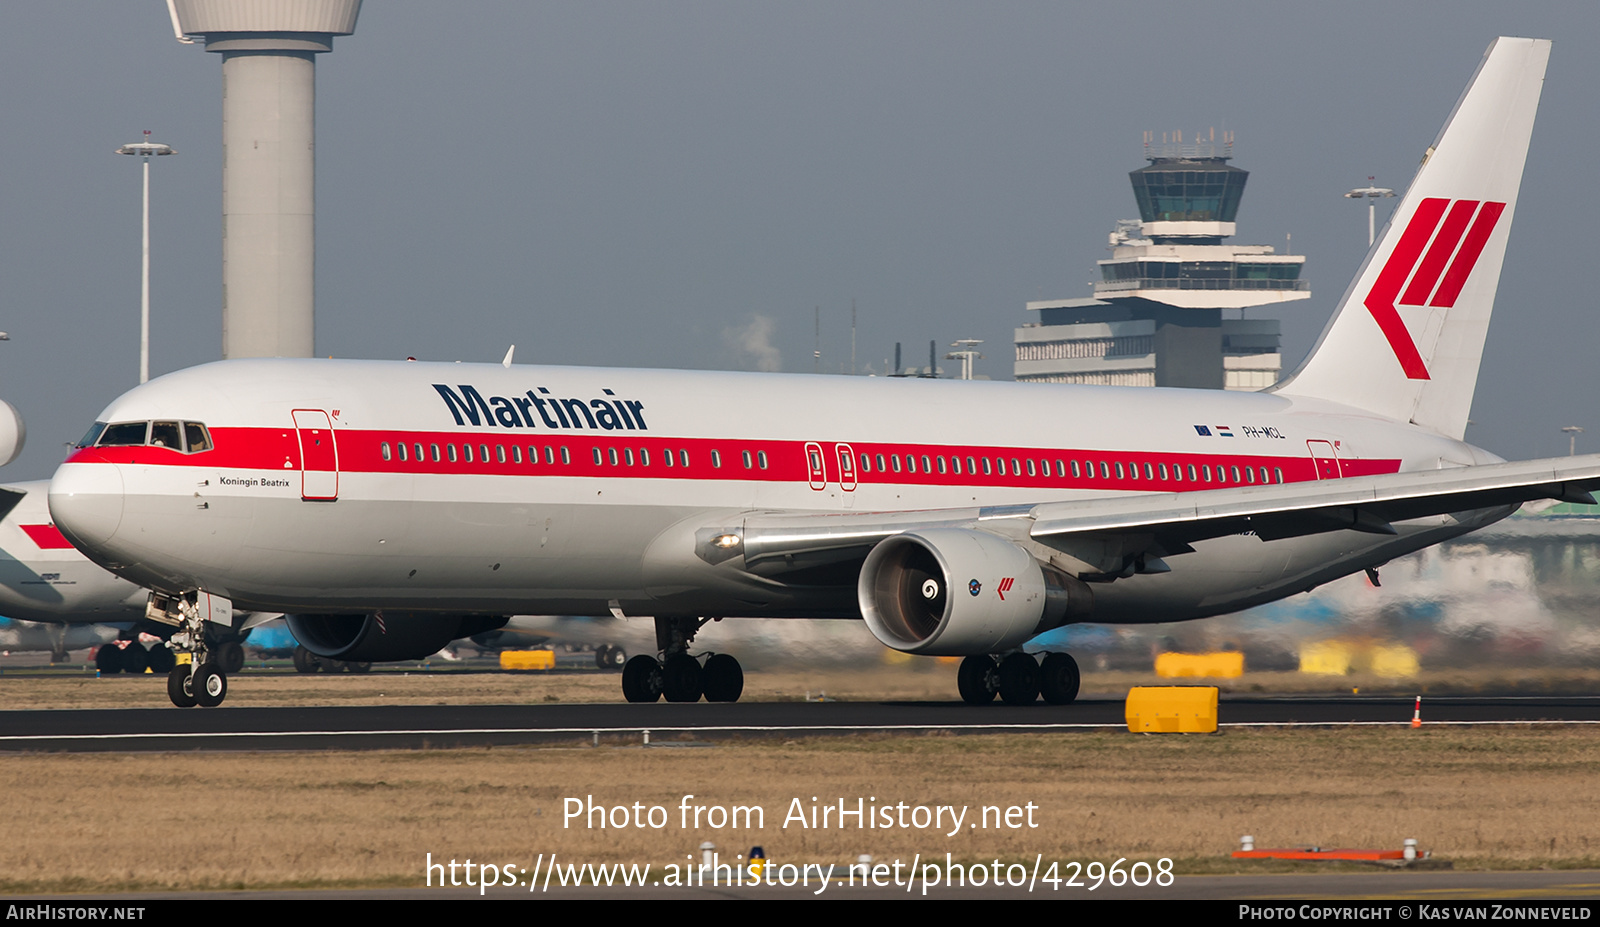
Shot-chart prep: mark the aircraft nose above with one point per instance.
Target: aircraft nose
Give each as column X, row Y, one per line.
column 86, row 503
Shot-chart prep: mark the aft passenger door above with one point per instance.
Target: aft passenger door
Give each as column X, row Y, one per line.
column 1326, row 459
column 319, row 456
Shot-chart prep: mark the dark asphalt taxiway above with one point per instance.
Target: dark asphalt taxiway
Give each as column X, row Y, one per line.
column 416, row 726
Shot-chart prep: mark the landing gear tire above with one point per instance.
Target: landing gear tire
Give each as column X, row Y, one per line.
column 210, row 686
column 230, row 657
column 1019, row 679
column 682, row 680
column 330, row 666
column 1059, row 679
column 362, row 667
column 610, row 658
column 641, row 679
column 723, row 678
column 976, row 679
column 161, row 659
column 135, row 659
column 108, row 659
column 305, row 661
column 179, row 687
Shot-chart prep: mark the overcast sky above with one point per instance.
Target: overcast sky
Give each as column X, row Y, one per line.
column 681, row 184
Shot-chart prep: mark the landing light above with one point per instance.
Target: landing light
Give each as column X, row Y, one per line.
column 726, row 541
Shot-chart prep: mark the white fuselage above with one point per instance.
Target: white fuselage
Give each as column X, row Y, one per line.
column 580, row 490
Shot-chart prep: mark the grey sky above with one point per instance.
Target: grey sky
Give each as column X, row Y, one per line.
column 636, row 184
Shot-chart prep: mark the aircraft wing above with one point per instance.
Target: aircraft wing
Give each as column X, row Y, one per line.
column 774, row 543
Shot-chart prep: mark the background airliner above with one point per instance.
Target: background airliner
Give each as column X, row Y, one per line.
column 44, row 579
column 392, row 507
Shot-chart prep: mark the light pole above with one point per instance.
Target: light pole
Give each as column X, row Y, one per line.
column 1371, row 194
column 1572, row 432
column 965, row 355
column 145, row 150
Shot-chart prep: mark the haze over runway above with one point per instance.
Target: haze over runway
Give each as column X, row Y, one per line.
column 682, row 185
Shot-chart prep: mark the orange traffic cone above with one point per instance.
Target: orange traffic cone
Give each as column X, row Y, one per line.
column 1416, row 714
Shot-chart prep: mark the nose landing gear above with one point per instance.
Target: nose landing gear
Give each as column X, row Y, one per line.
column 201, row 680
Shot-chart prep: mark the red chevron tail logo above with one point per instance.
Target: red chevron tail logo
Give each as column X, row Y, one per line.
column 1005, row 586
column 1453, row 237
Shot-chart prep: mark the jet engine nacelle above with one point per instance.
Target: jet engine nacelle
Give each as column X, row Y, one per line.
column 12, row 432
column 376, row 638
column 955, row 592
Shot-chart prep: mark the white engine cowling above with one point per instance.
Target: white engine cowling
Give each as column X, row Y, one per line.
column 12, row 433
column 955, row 592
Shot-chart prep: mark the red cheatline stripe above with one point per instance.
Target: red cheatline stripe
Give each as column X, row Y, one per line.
column 1380, row 301
column 48, row 537
column 258, row 454
column 1444, row 245
column 1461, row 268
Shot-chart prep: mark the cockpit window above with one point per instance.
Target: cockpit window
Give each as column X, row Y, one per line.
column 165, row 434
column 185, row 437
column 93, row 434
column 124, row 434
column 199, row 438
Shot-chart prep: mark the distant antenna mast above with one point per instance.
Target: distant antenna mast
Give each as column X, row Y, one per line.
column 852, row 337
column 816, row 354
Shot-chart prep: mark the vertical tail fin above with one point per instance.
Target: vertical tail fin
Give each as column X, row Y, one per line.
column 1407, row 337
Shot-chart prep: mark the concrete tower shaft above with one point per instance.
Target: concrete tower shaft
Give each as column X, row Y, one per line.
column 268, row 50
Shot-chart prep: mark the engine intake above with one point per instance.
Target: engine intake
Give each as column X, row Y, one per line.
column 955, row 592
column 393, row 636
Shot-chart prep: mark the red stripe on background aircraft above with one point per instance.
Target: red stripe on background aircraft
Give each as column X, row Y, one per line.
column 390, row 507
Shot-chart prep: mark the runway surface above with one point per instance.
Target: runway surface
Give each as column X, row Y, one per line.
column 418, row 726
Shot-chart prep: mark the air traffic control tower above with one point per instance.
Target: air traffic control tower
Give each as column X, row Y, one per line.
column 1157, row 316
column 268, row 50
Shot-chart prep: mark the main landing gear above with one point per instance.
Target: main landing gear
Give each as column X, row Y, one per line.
column 1018, row 678
column 677, row 676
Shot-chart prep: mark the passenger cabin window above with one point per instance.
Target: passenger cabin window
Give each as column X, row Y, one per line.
column 386, row 455
column 683, row 457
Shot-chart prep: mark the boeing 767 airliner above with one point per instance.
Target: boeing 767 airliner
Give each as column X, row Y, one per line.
column 390, row 507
